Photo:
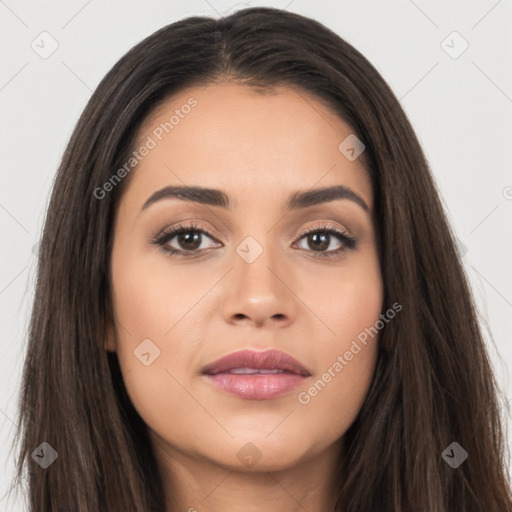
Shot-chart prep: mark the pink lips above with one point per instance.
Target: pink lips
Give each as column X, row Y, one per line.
column 256, row 375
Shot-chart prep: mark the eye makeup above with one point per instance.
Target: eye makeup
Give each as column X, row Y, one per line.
column 320, row 235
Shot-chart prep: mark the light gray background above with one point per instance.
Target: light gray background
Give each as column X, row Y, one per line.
column 461, row 109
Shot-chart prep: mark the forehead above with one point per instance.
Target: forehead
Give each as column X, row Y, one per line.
column 245, row 141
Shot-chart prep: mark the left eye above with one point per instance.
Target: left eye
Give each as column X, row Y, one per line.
column 321, row 240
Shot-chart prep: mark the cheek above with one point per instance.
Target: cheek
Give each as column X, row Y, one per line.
column 148, row 298
column 346, row 299
column 151, row 313
column 350, row 304
column 332, row 401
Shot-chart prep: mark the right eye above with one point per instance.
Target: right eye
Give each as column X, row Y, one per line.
column 188, row 238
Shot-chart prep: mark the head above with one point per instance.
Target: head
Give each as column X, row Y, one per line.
column 123, row 328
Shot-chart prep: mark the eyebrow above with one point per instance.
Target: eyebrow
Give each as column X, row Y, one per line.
column 297, row 200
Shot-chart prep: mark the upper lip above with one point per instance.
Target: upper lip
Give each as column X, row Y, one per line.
column 269, row 359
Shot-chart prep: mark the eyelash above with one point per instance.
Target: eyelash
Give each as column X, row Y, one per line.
column 348, row 242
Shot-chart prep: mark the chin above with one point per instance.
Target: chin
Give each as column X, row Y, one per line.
column 259, row 453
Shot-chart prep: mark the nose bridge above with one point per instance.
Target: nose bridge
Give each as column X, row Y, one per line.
column 252, row 272
column 256, row 289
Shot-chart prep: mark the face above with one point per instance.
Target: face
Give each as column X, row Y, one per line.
column 252, row 269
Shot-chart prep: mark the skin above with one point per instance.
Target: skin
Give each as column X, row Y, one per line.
column 256, row 148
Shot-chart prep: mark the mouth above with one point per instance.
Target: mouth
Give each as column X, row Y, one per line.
column 255, row 375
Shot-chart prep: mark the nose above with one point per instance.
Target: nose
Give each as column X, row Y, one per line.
column 260, row 293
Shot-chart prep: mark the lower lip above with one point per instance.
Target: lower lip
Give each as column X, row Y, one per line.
column 257, row 386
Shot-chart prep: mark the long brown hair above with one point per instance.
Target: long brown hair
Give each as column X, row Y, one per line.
column 433, row 384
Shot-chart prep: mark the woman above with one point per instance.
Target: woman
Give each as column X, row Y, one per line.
column 248, row 295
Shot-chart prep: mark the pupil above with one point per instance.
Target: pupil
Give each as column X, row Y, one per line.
column 185, row 239
column 322, row 238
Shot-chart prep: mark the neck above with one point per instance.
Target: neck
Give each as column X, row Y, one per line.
column 196, row 484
